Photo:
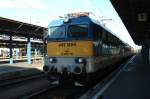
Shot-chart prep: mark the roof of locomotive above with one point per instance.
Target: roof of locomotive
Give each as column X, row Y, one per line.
column 78, row 20
column 83, row 18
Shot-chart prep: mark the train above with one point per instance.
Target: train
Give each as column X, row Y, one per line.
column 79, row 48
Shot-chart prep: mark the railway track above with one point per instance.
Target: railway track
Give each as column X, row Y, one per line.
column 38, row 87
column 35, row 94
column 19, row 88
column 71, row 92
column 10, row 82
column 58, row 92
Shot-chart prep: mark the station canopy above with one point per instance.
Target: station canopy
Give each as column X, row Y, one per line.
column 16, row 28
column 135, row 16
column 19, row 31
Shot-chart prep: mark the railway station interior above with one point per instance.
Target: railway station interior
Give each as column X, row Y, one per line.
column 24, row 49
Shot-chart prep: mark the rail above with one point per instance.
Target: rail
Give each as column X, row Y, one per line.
column 8, row 82
column 40, row 92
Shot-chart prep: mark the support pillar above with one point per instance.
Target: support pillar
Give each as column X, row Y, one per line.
column 146, row 52
column 17, row 55
column 28, row 50
column 35, row 51
column 44, row 47
column 10, row 51
column 35, row 54
column 149, row 54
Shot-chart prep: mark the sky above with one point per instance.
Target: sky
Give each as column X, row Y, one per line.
column 41, row 12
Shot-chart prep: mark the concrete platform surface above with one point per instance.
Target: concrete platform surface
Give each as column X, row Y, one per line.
column 38, row 65
column 132, row 83
column 10, row 71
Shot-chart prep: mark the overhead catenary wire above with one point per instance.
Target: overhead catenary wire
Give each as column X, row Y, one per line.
column 101, row 16
column 39, row 10
column 95, row 6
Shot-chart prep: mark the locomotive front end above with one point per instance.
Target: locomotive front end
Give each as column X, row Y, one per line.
column 72, row 56
column 69, row 48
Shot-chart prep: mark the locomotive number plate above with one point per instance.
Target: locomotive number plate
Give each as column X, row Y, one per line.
column 68, row 44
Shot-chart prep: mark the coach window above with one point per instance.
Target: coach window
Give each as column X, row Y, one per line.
column 78, row 31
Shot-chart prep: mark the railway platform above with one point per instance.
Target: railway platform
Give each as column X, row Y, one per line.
column 133, row 81
column 18, row 70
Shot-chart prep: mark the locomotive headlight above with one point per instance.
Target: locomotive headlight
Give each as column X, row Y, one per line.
column 52, row 60
column 80, row 60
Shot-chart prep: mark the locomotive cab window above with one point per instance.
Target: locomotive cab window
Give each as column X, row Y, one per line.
column 57, row 32
column 78, row 31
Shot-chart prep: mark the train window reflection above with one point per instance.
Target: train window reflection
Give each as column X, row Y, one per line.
column 78, row 31
column 57, row 32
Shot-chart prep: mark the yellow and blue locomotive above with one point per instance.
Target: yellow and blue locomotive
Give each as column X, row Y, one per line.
column 79, row 47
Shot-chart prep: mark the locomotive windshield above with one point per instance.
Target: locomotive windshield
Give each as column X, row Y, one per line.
column 57, row 32
column 74, row 31
column 78, row 31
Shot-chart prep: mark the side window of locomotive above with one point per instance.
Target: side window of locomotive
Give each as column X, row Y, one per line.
column 103, row 35
column 97, row 31
column 105, row 45
column 78, row 31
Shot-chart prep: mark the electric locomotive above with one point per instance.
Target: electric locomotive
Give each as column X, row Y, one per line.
column 79, row 48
